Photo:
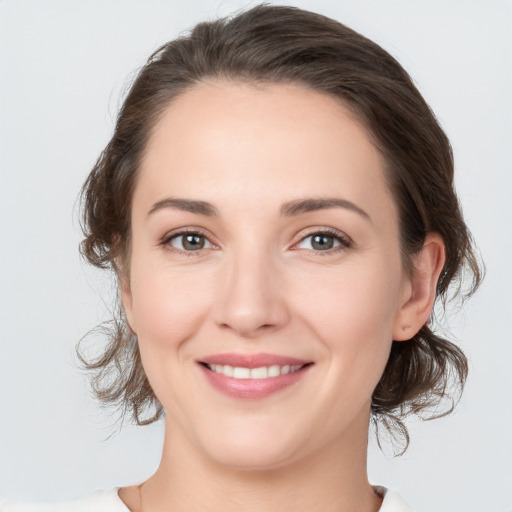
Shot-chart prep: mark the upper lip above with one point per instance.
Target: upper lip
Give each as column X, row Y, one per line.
column 252, row 360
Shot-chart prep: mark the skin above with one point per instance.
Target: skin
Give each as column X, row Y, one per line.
column 259, row 285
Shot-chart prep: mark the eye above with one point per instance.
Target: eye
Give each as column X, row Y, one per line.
column 187, row 241
column 324, row 241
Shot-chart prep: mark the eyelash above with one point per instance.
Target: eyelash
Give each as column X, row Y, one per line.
column 166, row 241
column 344, row 241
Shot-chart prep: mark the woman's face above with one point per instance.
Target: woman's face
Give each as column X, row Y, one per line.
column 265, row 282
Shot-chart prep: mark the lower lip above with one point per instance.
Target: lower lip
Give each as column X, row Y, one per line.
column 252, row 388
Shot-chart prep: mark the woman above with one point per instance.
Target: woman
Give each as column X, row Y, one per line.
column 277, row 202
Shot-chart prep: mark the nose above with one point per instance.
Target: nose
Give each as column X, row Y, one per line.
column 251, row 299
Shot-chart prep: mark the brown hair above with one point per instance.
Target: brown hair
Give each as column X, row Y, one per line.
column 288, row 45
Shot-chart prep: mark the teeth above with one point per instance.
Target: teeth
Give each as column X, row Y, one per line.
column 238, row 373
column 226, row 370
column 274, row 371
column 260, row 373
column 263, row 372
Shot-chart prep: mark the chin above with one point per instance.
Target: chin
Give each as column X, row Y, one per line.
column 251, row 451
column 255, row 460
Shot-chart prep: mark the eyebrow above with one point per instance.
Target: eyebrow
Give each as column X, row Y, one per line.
column 310, row 205
column 186, row 205
column 289, row 209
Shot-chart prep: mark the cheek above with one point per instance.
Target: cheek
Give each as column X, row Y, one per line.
column 167, row 304
column 169, row 307
column 352, row 310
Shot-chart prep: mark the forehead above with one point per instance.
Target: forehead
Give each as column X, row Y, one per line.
column 222, row 140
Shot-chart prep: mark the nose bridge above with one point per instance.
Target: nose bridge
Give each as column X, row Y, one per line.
column 250, row 298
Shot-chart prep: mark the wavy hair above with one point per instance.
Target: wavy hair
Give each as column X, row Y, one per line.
column 279, row 44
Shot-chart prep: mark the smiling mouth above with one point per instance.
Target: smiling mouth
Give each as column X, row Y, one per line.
column 252, row 376
column 262, row 372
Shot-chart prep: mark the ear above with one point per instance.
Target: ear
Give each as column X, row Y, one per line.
column 420, row 294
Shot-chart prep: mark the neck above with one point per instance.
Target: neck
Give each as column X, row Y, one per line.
column 333, row 479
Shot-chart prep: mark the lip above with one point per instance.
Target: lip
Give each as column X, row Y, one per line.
column 252, row 389
column 252, row 360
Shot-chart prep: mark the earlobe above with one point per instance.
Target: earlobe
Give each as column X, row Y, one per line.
column 421, row 290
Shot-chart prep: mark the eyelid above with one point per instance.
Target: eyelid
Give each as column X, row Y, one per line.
column 189, row 230
column 345, row 241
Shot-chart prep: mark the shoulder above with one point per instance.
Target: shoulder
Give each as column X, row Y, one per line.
column 109, row 501
column 99, row 501
column 392, row 501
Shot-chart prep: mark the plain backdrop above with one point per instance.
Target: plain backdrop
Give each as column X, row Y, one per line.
column 64, row 66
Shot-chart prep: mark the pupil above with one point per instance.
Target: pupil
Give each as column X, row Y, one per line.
column 322, row 242
column 193, row 242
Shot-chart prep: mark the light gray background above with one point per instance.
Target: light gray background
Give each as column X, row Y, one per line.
column 63, row 67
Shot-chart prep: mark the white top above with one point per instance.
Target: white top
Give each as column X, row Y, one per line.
column 109, row 501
